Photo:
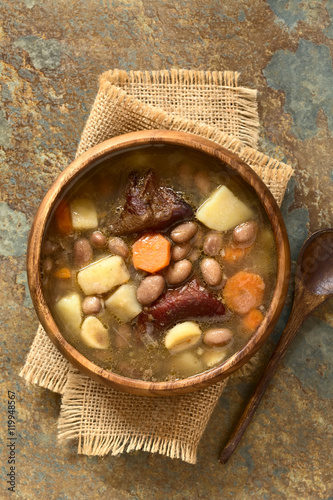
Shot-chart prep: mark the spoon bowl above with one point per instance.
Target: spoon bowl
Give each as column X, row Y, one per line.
column 315, row 263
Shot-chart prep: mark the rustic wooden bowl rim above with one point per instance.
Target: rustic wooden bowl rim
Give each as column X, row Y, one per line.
column 124, row 142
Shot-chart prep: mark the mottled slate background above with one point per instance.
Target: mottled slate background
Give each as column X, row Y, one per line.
column 51, row 55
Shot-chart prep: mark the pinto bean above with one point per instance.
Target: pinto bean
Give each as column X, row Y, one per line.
column 213, row 244
column 49, row 247
column 211, row 271
column 82, row 252
column 48, row 265
column 184, row 232
column 178, row 272
column 97, row 239
column 119, row 247
column 179, row 252
column 150, row 289
column 92, row 305
column 246, row 233
column 217, row 337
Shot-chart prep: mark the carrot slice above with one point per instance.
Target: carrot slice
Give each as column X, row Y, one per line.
column 63, row 218
column 63, row 273
column 233, row 254
column 252, row 320
column 244, row 291
column 151, row 252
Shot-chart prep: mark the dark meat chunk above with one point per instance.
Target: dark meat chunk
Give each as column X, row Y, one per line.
column 149, row 206
column 187, row 302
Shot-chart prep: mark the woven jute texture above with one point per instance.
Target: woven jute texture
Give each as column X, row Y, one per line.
column 210, row 104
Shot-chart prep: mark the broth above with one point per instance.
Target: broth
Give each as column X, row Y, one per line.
column 128, row 336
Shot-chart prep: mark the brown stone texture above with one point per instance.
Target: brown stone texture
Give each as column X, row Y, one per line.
column 51, row 56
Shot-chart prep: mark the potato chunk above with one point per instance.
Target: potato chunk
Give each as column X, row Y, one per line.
column 84, row 215
column 69, row 310
column 123, row 303
column 223, row 210
column 103, row 275
column 213, row 357
column 182, row 336
column 94, row 334
column 187, row 364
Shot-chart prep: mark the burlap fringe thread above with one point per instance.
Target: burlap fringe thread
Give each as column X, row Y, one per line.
column 103, row 420
column 45, row 365
column 156, row 435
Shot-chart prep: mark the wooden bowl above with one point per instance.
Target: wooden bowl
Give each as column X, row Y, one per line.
column 102, row 151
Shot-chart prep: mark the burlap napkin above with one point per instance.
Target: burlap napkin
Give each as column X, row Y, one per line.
column 210, row 104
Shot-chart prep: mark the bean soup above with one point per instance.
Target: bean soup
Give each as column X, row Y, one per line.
column 158, row 264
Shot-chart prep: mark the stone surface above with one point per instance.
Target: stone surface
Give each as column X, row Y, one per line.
column 52, row 54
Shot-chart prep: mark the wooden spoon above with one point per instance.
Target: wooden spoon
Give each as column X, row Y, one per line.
column 313, row 285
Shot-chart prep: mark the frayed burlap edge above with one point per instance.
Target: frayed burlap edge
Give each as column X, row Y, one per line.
column 187, row 77
column 150, row 424
column 45, row 365
column 215, row 97
column 85, row 399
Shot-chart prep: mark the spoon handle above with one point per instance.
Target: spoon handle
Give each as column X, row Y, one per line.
column 301, row 309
